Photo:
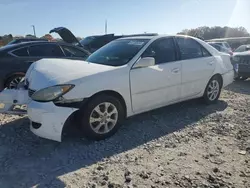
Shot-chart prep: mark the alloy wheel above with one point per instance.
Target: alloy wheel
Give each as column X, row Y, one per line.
column 213, row 90
column 14, row 82
column 103, row 118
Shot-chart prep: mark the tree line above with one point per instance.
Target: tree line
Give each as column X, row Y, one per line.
column 207, row 33
column 204, row 33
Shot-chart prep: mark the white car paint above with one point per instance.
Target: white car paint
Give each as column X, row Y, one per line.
column 142, row 89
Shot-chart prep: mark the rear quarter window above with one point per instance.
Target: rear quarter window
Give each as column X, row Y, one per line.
column 23, row 52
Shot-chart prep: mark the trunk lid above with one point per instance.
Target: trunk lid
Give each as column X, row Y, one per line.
column 66, row 35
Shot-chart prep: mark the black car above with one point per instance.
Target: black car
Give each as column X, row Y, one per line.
column 91, row 43
column 15, row 59
column 241, row 62
column 20, row 40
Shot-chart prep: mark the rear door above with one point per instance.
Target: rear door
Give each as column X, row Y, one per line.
column 18, row 60
column 197, row 66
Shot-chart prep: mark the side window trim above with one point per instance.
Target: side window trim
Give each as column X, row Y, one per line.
column 11, row 52
column 61, row 49
column 177, row 49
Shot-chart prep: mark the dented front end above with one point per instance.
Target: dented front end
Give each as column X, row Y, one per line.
column 14, row 101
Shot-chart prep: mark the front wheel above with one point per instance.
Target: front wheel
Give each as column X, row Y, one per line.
column 213, row 90
column 13, row 81
column 101, row 117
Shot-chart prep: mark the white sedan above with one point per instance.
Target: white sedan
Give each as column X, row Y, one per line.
column 125, row 77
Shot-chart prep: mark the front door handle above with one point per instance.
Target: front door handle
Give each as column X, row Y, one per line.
column 175, row 70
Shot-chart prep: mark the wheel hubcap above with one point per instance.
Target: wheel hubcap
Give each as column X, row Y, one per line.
column 14, row 83
column 103, row 118
column 213, row 90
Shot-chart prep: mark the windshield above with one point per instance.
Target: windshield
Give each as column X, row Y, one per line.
column 117, row 53
column 87, row 40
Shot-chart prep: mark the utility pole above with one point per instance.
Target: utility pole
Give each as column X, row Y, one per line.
column 34, row 29
column 106, row 26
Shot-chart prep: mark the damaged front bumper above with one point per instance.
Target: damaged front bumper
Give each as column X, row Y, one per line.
column 47, row 119
column 14, row 101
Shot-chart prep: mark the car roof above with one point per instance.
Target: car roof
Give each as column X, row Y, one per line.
column 29, row 39
column 23, row 44
column 157, row 36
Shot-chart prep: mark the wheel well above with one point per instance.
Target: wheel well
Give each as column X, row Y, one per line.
column 12, row 74
column 72, row 119
column 220, row 78
column 114, row 94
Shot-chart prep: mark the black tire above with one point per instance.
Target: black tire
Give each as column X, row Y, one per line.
column 16, row 78
column 207, row 96
column 86, row 112
column 241, row 78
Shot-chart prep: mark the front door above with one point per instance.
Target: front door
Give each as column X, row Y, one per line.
column 157, row 85
column 197, row 66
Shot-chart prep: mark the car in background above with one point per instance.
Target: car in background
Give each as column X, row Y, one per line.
column 126, row 77
column 221, row 49
column 91, row 43
column 242, row 48
column 223, row 44
column 241, row 62
column 15, row 59
column 20, row 40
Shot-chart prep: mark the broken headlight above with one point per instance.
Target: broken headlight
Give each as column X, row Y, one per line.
column 51, row 93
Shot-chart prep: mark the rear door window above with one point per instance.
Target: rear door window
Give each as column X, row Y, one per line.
column 45, row 50
column 191, row 49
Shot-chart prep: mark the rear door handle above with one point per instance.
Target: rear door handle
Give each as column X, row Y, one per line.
column 175, row 70
column 211, row 63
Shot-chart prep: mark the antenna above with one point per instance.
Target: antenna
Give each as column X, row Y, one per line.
column 106, row 26
column 34, row 29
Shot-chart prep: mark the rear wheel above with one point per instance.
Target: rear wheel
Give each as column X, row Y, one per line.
column 13, row 81
column 101, row 117
column 213, row 90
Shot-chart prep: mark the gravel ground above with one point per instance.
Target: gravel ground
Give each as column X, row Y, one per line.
column 183, row 145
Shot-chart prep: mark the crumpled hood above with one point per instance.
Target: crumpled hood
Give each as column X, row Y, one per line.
column 49, row 72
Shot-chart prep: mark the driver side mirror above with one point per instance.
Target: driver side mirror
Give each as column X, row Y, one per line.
column 145, row 62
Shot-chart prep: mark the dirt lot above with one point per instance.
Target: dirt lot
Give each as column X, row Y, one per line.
column 183, row 145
